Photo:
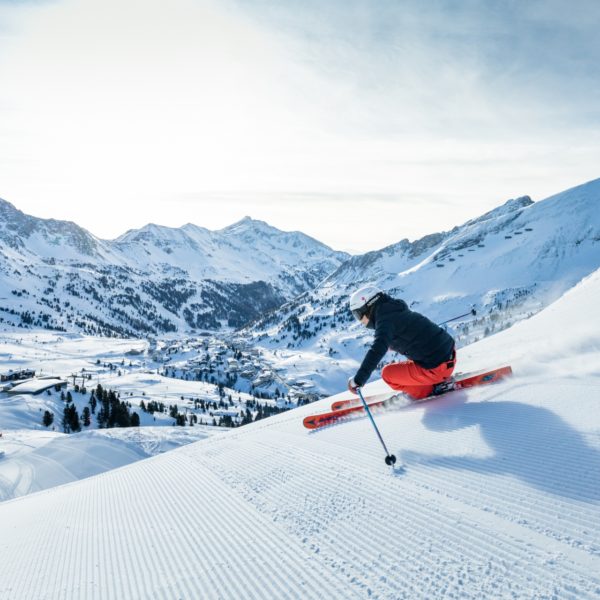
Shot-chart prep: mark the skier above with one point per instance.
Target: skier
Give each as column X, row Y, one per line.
column 429, row 348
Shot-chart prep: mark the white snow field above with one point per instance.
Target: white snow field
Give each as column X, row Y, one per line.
column 499, row 497
column 36, row 460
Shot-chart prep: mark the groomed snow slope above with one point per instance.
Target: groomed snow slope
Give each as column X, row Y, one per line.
column 500, row 497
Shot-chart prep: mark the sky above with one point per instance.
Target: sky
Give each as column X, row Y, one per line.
column 357, row 122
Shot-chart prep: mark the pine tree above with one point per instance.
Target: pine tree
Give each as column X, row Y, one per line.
column 48, row 418
column 86, row 417
column 65, row 422
column 74, row 423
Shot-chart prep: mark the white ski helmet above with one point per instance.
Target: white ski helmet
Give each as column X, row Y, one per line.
column 363, row 299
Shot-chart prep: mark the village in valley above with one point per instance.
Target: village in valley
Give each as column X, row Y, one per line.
column 203, row 381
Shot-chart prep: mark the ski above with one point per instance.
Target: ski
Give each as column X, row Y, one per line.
column 371, row 400
column 316, row 421
column 341, row 408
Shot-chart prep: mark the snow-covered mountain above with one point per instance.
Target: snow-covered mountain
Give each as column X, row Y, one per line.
column 510, row 263
column 244, row 252
column 153, row 280
column 37, row 239
column 499, row 496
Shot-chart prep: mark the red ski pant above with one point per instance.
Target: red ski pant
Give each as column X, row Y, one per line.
column 414, row 380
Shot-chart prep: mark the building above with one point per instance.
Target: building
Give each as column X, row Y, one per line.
column 17, row 375
column 37, row 386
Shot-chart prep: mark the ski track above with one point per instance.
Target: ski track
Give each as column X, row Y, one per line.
column 460, row 542
column 229, row 518
column 173, row 538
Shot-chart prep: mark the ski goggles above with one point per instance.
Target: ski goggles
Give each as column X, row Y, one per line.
column 359, row 313
column 365, row 309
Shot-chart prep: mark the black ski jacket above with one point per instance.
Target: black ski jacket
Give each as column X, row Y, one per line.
column 400, row 329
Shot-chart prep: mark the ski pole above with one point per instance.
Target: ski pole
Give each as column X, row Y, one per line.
column 471, row 312
column 390, row 459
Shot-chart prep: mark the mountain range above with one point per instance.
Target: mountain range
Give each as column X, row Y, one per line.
column 152, row 280
column 287, row 290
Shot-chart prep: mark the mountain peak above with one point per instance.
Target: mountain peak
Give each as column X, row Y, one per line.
column 247, row 223
column 191, row 227
column 509, row 206
column 7, row 208
column 152, row 232
column 17, row 226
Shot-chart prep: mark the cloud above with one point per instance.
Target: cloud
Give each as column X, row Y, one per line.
column 20, row 3
column 124, row 107
column 451, row 66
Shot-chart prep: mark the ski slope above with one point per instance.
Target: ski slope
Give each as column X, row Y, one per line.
column 499, row 497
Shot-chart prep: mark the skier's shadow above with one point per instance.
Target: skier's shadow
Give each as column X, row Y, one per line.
column 529, row 442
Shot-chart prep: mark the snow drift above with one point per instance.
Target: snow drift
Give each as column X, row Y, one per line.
column 37, row 460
